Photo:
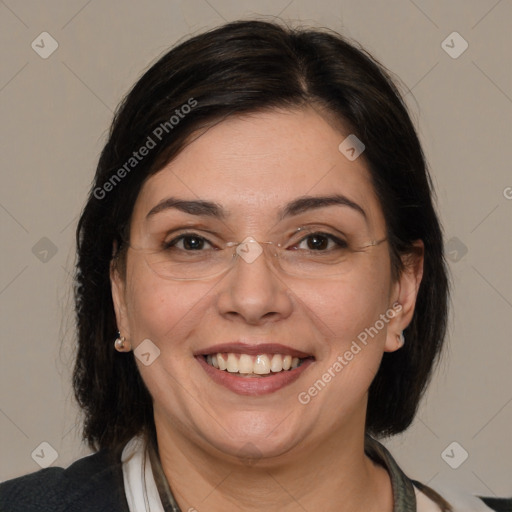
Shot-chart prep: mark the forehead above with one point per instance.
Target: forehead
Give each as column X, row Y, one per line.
column 256, row 163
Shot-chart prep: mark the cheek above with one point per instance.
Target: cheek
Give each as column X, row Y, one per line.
column 160, row 309
column 346, row 307
column 347, row 313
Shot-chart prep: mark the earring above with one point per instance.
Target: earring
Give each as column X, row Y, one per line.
column 121, row 345
column 401, row 339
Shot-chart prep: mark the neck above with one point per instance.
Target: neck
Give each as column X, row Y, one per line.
column 333, row 474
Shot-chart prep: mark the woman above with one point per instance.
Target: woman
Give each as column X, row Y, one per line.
column 260, row 287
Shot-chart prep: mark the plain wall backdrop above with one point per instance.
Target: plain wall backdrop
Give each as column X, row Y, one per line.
column 65, row 67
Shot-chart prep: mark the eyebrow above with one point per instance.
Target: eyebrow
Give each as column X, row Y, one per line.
column 194, row 207
column 305, row 203
column 295, row 207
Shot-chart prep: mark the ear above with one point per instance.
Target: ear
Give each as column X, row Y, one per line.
column 118, row 287
column 404, row 294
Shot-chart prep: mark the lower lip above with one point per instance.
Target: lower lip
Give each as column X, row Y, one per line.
column 254, row 385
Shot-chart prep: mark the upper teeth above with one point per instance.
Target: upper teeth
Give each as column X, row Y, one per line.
column 261, row 364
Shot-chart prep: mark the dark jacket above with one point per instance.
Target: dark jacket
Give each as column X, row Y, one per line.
column 91, row 484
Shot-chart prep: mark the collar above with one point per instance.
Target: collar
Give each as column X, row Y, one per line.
column 404, row 497
column 147, row 489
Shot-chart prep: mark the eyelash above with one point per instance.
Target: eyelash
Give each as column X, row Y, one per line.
column 341, row 244
column 172, row 243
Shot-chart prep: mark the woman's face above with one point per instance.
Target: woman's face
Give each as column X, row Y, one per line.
column 251, row 171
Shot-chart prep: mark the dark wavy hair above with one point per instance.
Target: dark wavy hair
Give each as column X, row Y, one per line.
column 238, row 68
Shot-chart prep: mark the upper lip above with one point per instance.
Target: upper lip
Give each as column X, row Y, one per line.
column 252, row 349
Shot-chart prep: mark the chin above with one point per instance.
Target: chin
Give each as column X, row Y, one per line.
column 252, row 438
column 252, row 451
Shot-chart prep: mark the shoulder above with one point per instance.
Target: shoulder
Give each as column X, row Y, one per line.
column 445, row 496
column 452, row 499
column 93, row 483
column 498, row 504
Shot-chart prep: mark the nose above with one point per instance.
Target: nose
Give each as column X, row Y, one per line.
column 253, row 291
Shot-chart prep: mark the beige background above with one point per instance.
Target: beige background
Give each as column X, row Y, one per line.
column 55, row 113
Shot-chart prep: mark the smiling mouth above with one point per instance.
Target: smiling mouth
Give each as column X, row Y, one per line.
column 261, row 365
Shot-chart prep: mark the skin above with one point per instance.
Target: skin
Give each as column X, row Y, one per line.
column 225, row 451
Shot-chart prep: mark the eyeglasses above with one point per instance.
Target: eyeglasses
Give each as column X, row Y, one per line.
column 308, row 253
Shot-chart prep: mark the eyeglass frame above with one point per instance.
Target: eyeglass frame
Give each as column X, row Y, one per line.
column 247, row 240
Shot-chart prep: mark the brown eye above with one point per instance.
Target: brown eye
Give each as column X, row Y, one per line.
column 187, row 242
column 320, row 242
column 193, row 242
column 317, row 242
